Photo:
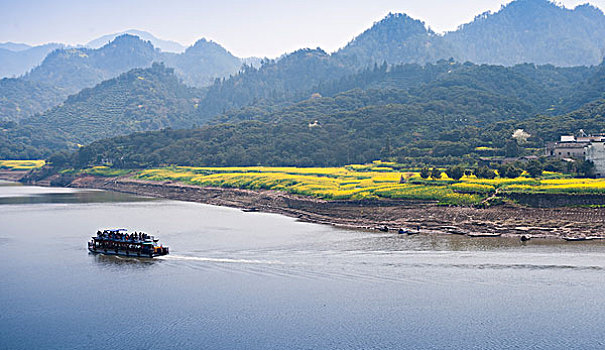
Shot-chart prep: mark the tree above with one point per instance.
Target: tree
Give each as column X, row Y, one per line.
column 513, row 172
column 534, row 168
column 455, row 172
column 584, row 168
column 521, row 136
column 425, row 173
column 511, row 148
column 509, row 171
column 436, row 173
column 59, row 159
column 484, row 173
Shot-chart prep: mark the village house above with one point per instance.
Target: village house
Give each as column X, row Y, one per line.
column 588, row 147
column 572, row 147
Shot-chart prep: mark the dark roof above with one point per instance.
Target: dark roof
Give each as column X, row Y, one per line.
column 571, row 144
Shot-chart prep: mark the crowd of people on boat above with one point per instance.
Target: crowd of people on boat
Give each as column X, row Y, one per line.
column 122, row 235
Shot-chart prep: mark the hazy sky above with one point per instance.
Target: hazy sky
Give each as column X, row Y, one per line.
column 246, row 28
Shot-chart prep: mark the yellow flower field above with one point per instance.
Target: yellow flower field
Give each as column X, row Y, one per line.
column 352, row 182
column 16, row 165
column 370, row 181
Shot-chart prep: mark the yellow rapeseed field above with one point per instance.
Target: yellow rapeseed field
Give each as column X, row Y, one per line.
column 363, row 181
column 21, row 164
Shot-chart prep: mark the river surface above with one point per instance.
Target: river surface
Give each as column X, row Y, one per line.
column 238, row 280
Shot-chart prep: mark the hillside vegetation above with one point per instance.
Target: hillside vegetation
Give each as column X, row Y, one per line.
column 441, row 122
column 140, row 100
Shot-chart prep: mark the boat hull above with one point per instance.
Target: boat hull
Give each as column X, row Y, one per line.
column 124, row 253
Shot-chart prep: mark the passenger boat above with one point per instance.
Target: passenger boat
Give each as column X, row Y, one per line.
column 250, row 210
column 582, row 238
column 120, row 242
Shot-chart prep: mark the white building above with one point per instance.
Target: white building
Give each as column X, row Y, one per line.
column 595, row 152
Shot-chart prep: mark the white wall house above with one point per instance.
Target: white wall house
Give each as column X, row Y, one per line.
column 595, row 152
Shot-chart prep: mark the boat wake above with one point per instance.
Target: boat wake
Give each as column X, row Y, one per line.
column 221, row 260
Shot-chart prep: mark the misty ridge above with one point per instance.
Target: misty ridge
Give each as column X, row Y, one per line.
column 530, row 58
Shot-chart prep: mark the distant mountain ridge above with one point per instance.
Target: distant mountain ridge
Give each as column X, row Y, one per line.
column 15, row 47
column 524, row 31
column 536, row 31
column 16, row 60
column 77, row 68
column 73, row 69
column 67, row 71
column 202, row 62
column 164, row 45
column 396, row 39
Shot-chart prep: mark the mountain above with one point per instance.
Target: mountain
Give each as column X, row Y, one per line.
column 287, row 79
column 396, row 39
column 201, row 63
column 139, row 100
column 16, row 59
column 76, row 68
column 164, row 45
column 73, row 69
column 419, row 109
column 14, row 46
column 67, row 71
column 524, row 31
column 536, row 31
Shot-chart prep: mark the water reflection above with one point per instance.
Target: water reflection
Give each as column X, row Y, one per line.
column 77, row 196
column 120, row 262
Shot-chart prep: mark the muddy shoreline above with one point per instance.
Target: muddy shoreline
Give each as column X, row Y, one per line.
column 507, row 220
column 427, row 216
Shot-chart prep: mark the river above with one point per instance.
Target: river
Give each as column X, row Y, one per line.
column 238, row 280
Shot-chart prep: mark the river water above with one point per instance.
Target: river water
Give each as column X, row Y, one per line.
column 238, row 280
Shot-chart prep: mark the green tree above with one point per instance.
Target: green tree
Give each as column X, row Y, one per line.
column 511, row 148
column 584, row 168
column 425, row 173
column 456, row 172
column 534, row 168
column 484, row 173
column 513, row 172
column 436, row 173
